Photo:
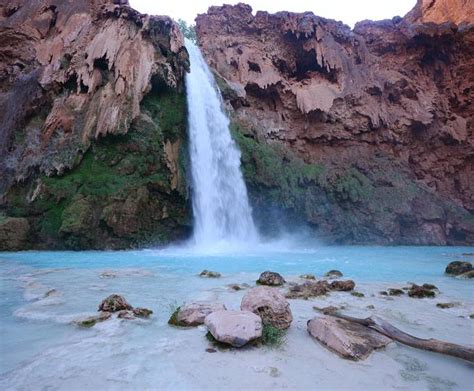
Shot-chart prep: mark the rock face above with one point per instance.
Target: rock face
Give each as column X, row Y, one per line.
column 350, row 340
column 270, row 305
column 270, row 279
column 236, row 328
column 93, row 124
column 367, row 135
column 193, row 314
column 440, row 11
column 14, row 233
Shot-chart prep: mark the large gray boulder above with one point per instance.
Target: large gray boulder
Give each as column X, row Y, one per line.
column 236, row 328
column 193, row 314
column 348, row 339
column 270, row 305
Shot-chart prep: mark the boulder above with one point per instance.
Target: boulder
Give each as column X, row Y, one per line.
column 458, row 267
column 114, row 303
column 142, row 312
column 348, row 339
column 308, row 277
column 357, row 294
column 430, row 286
column 236, row 328
column 270, row 279
column 270, row 305
column 92, row 320
column 308, row 289
column 419, row 292
column 342, row 285
column 209, row 274
column 193, row 314
column 333, row 274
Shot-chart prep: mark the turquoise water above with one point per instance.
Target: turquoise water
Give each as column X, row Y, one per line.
column 36, row 332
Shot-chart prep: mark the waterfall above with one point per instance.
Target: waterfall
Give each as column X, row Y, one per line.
column 222, row 214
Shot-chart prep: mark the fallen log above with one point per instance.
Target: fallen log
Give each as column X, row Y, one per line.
column 432, row 345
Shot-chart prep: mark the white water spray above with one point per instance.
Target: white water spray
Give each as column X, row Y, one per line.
column 222, row 214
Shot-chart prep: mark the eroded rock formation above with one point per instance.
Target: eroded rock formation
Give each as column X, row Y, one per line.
column 92, row 126
column 366, row 134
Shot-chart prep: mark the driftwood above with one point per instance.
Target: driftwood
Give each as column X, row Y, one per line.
column 432, row 345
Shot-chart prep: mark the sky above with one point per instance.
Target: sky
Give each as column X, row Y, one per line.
column 347, row 11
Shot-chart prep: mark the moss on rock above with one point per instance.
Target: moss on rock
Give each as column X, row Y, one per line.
column 124, row 192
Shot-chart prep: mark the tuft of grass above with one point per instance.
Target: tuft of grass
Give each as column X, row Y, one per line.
column 272, row 336
column 174, row 317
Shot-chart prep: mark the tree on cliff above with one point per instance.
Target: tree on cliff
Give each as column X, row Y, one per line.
column 188, row 30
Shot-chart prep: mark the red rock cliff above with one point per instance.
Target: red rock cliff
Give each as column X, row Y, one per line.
column 84, row 66
column 385, row 111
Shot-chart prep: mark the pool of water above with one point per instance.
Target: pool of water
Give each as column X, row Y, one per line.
column 39, row 347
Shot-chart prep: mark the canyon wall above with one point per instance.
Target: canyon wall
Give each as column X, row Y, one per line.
column 92, row 126
column 366, row 135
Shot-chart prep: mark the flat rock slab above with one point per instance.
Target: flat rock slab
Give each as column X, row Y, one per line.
column 193, row 314
column 270, row 305
column 348, row 339
column 236, row 328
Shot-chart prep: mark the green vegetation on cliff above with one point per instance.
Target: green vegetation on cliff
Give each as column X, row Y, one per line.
column 126, row 190
column 369, row 200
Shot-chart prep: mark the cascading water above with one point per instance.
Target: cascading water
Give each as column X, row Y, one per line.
column 221, row 209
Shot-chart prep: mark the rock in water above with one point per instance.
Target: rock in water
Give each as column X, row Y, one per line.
column 308, row 277
column 236, row 328
column 114, row 303
column 270, row 279
column 193, row 314
column 209, row 274
column 348, row 339
column 420, row 292
column 330, row 310
column 308, row 289
column 395, row 292
column 142, row 312
column 333, row 274
column 270, row 305
column 342, row 285
column 458, row 267
column 92, row 320
column 469, row 274
column 124, row 314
